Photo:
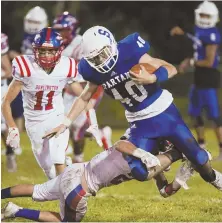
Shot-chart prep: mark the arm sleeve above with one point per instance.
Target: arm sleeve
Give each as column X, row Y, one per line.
column 213, row 37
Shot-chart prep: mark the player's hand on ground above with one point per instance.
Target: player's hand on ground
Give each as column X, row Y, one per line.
column 150, row 160
column 176, row 31
column 94, row 130
column 13, row 138
column 144, row 77
column 55, row 132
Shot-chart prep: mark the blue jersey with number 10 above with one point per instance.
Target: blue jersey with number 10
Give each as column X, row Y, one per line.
column 117, row 82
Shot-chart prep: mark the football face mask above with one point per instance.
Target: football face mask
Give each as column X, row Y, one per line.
column 206, row 15
column 47, row 47
column 100, row 49
column 47, row 57
column 103, row 61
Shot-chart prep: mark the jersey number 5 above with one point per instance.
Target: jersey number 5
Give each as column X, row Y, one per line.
column 39, row 95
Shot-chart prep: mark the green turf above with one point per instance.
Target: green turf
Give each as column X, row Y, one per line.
column 131, row 201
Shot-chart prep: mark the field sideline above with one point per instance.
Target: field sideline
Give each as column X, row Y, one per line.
column 131, row 201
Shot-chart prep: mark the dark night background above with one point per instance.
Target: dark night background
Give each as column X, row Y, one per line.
column 152, row 20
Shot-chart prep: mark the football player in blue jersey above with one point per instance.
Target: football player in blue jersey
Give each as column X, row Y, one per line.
column 149, row 109
column 203, row 93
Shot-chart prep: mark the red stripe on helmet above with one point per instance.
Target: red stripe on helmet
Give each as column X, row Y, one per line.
column 20, row 67
column 48, row 34
column 26, row 66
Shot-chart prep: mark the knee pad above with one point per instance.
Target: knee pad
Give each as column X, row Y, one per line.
column 199, row 122
column 138, row 169
column 217, row 121
column 201, row 157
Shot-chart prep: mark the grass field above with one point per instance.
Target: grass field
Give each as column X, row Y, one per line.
column 131, row 201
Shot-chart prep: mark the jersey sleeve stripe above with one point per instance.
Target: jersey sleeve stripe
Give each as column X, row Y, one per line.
column 70, row 68
column 75, row 68
column 26, row 66
column 20, row 67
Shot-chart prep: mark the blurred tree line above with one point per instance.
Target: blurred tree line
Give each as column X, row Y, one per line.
column 153, row 20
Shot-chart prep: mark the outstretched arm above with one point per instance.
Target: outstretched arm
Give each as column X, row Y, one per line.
column 78, row 106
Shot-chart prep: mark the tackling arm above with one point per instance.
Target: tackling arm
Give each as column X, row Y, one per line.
column 90, row 111
column 78, row 106
column 82, row 101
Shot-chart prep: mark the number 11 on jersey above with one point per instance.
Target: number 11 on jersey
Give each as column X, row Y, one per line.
column 39, row 96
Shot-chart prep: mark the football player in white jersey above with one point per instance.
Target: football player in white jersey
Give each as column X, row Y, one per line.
column 82, row 180
column 34, row 20
column 5, row 75
column 41, row 78
column 68, row 26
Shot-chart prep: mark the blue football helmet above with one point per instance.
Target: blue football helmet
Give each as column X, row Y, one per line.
column 67, row 25
column 47, row 47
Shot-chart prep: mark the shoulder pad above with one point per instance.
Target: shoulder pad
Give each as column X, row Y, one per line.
column 133, row 46
column 212, row 36
column 21, row 67
column 87, row 72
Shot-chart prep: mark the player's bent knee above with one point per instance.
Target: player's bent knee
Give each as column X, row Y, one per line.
column 217, row 121
column 201, row 157
column 39, row 193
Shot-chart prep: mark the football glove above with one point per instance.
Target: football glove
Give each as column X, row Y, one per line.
column 13, row 138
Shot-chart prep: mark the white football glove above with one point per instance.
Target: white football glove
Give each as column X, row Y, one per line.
column 13, row 138
column 184, row 173
column 94, row 130
column 150, row 160
column 147, row 158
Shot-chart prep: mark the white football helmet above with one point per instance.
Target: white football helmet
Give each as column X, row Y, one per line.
column 35, row 20
column 100, row 48
column 207, row 8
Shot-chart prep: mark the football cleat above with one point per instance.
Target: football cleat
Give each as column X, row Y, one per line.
column 218, row 181
column 9, row 210
column 184, row 174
